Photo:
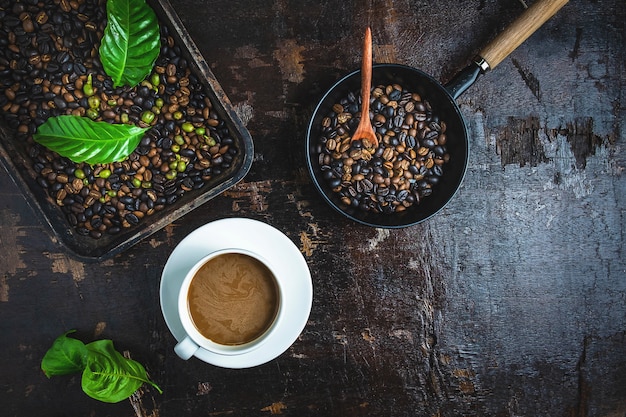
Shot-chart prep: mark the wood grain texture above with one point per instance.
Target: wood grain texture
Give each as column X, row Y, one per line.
column 508, row 302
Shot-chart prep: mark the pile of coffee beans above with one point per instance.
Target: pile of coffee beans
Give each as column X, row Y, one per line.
column 408, row 162
column 49, row 66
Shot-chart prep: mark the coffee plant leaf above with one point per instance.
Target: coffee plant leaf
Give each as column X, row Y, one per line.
column 83, row 140
column 65, row 356
column 131, row 41
column 109, row 376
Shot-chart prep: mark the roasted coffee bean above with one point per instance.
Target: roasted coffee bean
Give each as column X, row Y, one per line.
column 132, row 219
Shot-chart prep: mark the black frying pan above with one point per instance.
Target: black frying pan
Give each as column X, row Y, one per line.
column 442, row 98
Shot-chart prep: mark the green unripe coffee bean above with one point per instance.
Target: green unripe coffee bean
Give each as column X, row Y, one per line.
column 147, row 117
column 187, row 127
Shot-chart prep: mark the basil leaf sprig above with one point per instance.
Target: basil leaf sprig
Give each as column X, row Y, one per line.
column 131, row 41
column 106, row 374
column 83, row 140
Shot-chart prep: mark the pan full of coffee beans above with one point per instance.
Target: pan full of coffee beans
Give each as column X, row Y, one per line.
column 420, row 160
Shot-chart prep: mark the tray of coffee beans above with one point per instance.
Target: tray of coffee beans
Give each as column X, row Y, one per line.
column 181, row 142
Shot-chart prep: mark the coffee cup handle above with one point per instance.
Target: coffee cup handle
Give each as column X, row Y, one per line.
column 186, row 348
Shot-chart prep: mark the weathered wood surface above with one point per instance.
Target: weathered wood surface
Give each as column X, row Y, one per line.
column 512, row 301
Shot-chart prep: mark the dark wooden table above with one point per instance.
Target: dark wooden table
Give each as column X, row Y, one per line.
column 512, row 301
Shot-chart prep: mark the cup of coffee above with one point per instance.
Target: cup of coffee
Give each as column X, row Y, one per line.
column 229, row 303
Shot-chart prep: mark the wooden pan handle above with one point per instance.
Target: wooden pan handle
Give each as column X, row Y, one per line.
column 524, row 26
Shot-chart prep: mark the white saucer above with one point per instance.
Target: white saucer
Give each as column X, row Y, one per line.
column 262, row 239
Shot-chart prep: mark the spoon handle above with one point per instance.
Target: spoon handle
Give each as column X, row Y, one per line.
column 515, row 34
column 366, row 71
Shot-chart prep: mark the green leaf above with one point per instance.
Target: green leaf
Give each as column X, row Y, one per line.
column 83, row 140
column 131, row 41
column 109, row 376
column 66, row 356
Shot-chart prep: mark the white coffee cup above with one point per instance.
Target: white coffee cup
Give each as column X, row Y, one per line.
column 194, row 339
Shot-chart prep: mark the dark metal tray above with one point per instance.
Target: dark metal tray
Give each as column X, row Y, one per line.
column 15, row 159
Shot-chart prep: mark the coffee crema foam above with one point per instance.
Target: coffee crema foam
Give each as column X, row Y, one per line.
column 233, row 299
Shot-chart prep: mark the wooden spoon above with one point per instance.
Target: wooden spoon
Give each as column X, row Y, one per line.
column 364, row 130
